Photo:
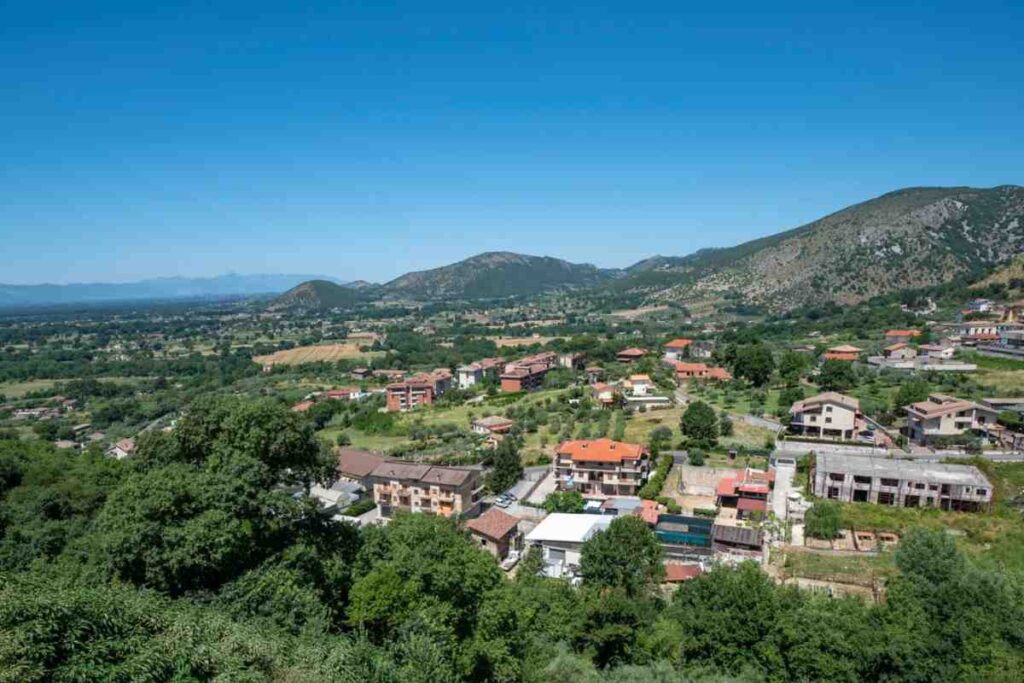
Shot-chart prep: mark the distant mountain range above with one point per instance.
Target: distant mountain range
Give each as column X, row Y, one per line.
column 221, row 286
column 907, row 239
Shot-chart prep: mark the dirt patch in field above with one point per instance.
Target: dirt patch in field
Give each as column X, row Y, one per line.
column 321, row 353
column 634, row 313
column 509, row 342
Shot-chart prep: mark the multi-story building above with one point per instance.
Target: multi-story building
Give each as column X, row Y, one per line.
column 945, row 416
column 901, row 483
column 412, row 487
column 829, row 415
column 527, row 374
column 572, row 360
column 475, row 373
column 418, row 390
column 601, row 467
column 677, row 349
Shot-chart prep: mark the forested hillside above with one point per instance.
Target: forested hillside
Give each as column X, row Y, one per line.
column 189, row 562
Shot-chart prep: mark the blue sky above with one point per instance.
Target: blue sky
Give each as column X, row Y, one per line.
column 363, row 140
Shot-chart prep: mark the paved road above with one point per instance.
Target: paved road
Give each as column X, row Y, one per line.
column 783, row 485
column 755, row 421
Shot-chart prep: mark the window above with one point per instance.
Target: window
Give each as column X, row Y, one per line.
column 919, row 486
column 828, row 409
column 828, row 420
column 858, row 479
column 835, row 476
column 833, row 492
column 890, row 482
column 981, row 492
column 885, row 498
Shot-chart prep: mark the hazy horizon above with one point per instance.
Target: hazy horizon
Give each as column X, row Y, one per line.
column 366, row 142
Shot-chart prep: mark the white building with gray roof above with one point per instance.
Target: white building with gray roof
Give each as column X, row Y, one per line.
column 902, row 483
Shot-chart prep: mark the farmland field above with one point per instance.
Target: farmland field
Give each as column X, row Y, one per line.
column 509, row 342
column 321, row 353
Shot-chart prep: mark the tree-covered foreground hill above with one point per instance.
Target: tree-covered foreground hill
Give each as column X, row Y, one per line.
column 191, row 563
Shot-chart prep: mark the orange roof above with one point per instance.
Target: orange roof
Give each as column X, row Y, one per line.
column 649, row 511
column 896, row 347
column 719, row 373
column 680, row 343
column 903, row 333
column 639, row 378
column 601, row 450
column 844, row 348
column 633, row 352
column 675, row 572
column 690, row 367
column 302, row 407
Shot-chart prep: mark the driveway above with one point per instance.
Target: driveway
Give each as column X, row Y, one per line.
column 783, row 485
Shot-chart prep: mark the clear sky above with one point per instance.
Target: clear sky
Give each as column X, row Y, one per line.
column 366, row 139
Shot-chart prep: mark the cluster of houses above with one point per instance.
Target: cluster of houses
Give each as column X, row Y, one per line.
column 832, row 416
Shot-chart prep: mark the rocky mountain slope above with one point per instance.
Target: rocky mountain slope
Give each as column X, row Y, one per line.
column 906, row 239
column 496, row 274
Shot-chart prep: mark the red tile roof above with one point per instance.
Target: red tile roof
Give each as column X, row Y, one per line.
column 751, row 505
column 601, row 450
column 903, row 333
column 727, row 487
column 494, row 524
column 632, row 353
column 302, row 406
column 680, row 343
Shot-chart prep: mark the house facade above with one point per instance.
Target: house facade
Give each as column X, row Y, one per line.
column 678, row 349
column 945, row 416
column 601, row 467
column 561, row 536
column 400, row 486
column 829, row 415
column 496, row 532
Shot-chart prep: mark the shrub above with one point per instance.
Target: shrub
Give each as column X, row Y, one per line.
column 696, row 457
column 654, row 485
column 823, row 520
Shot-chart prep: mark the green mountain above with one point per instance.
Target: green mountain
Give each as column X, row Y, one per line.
column 495, row 275
column 320, row 294
column 907, row 239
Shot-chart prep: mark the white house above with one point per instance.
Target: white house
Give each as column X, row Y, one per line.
column 561, row 537
column 122, row 449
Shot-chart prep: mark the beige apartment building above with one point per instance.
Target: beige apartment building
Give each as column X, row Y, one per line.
column 601, row 467
column 829, row 415
column 412, row 487
column 944, row 416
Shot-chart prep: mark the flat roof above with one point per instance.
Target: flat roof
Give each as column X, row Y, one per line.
column 869, row 466
column 566, row 527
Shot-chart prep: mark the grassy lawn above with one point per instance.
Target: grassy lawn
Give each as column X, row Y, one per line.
column 856, row 569
column 15, row 390
column 19, row 389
